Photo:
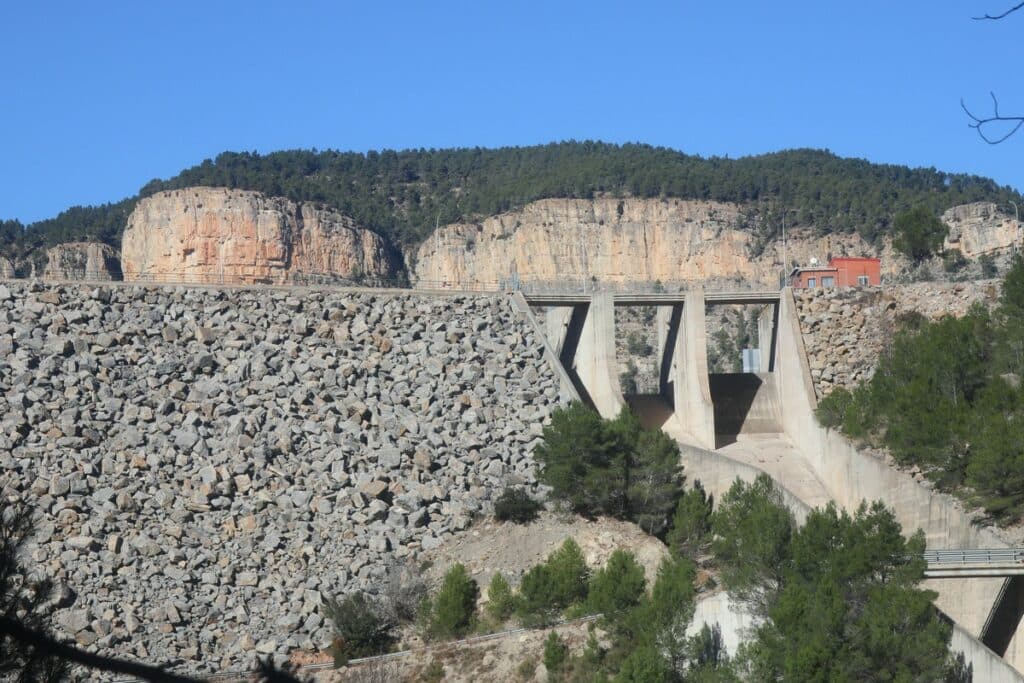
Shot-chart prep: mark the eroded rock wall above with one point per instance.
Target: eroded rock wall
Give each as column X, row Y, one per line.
column 980, row 229
column 845, row 331
column 209, row 466
column 205, row 234
column 6, row 268
column 622, row 241
column 82, row 261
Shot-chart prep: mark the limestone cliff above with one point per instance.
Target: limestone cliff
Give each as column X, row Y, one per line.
column 980, row 228
column 223, row 235
column 622, row 240
column 6, row 268
column 82, row 261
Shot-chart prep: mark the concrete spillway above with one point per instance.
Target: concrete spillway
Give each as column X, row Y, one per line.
column 741, row 425
column 745, row 403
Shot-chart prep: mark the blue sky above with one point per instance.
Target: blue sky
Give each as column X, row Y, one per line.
column 97, row 98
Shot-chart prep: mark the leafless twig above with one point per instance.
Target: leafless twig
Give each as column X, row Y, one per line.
column 995, row 17
column 979, row 122
column 43, row 643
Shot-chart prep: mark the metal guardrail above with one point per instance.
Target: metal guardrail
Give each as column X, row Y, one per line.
column 974, row 557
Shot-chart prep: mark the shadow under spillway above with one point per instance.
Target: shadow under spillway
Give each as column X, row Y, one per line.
column 654, row 410
column 744, row 403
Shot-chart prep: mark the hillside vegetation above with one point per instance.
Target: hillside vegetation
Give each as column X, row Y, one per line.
column 947, row 398
column 403, row 194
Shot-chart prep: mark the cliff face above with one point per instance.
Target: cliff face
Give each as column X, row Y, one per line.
column 623, row 240
column 979, row 228
column 82, row 261
column 217, row 234
column 6, row 268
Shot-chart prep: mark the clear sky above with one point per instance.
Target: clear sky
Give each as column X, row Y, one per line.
column 97, row 98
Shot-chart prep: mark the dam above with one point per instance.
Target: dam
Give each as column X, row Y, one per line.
column 198, row 448
column 744, row 424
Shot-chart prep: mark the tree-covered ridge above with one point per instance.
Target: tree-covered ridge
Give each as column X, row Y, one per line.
column 403, row 194
column 103, row 223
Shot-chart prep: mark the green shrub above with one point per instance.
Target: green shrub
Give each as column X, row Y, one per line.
column 452, row 611
column 637, row 345
column 500, row 600
column 569, row 573
column 918, row 233
column 612, row 467
column 548, row 588
column 988, row 266
column 644, row 665
column 617, row 587
column 515, row 505
column 433, row 673
column 953, row 261
column 669, row 607
column 555, row 651
column 359, row 627
column 527, row 669
column 753, row 529
column 691, row 524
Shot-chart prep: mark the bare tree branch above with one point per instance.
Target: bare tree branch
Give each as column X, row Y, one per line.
column 45, row 644
column 979, row 122
column 996, row 17
column 48, row 646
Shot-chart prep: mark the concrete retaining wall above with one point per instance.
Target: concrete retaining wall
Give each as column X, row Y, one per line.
column 734, row 622
column 852, row 477
column 718, row 472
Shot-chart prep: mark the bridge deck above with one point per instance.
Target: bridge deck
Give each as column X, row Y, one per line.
column 655, row 298
column 974, row 563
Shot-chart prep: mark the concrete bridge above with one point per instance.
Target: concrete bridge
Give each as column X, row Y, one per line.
column 740, row 425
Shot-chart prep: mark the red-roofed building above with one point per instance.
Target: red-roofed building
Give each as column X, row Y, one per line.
column 841, row 271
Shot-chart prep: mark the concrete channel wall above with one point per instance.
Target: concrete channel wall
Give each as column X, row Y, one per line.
column 852, row 477
column 849, row 476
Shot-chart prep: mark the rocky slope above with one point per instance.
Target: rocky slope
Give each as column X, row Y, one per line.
column 82, row 261
column 204, row 234
column 209, row 465
column 846, row 330
column 627, row 240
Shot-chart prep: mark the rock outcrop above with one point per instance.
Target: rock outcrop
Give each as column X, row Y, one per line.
column 204, row 234
column 845, row 331
column 208, row 466
column 82, row 261
column 6, row 268
column 980, row 229
column 622, row 241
